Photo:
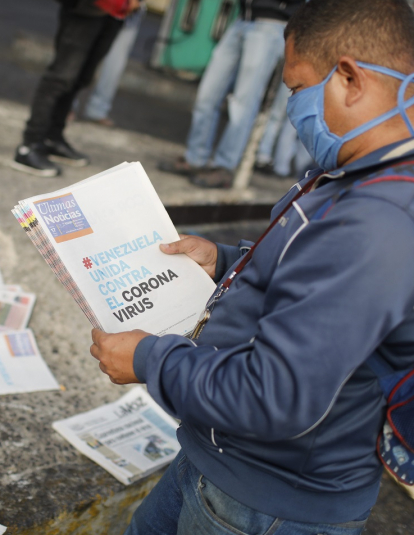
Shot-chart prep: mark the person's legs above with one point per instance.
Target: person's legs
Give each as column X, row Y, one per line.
column 105, row 30
column 263, row 45
column 99, row 102
column 159, row 512
column 215, row 84
column 288, row 527
column 73, row 42
column 207, row 510
column 285, row 149
column 184, row 502
column 273, row 126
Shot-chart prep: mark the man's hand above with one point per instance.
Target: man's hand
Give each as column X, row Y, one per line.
column 202, row 251
column 115, row 353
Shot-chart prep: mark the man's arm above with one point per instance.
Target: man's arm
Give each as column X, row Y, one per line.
column 344, row 284
column 342, row 287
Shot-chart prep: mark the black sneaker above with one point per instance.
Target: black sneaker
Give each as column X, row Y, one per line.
column 264, row 168
column 60, row 151
column 32, row 159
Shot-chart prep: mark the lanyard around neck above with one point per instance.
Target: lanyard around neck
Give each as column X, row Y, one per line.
column 241, row 265
column 223, row 288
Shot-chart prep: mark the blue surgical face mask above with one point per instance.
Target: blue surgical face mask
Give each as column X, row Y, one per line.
column 305, row 110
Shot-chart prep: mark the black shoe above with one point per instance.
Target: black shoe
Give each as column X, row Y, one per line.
column 218, row 177
column 264, row 168
column 60, row 151
column 32, row 159
column 179, row 166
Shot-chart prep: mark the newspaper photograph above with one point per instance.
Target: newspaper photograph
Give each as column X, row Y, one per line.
column 130, row 438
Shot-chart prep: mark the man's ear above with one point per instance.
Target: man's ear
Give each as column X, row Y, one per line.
column 353, row 79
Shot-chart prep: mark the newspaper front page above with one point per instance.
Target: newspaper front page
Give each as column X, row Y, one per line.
column 101, row 237
column 130, row 438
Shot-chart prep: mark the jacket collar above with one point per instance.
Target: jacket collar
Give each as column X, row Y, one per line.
column 384, row 155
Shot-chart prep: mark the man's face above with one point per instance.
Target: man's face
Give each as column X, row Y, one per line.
column 298, row 73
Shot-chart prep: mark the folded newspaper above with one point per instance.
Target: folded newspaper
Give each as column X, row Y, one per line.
column 130, row 438
column 101, row 238
column 16, row 308
column 22, row 368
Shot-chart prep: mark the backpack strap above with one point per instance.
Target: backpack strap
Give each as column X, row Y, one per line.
column 388, row 378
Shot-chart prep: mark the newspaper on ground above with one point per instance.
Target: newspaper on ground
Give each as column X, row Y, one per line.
column 16, row 308
column 11, row 288
column 22, row 368
column 3, row 529
column 101, row 238
column 130, row 438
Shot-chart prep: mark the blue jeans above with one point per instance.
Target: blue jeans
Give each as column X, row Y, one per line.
column 280, row 144
column 244, row 61
column 186, row 503
column 274, row 126
column 99, row 103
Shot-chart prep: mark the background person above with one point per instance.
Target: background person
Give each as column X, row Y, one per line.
column 242, row 63
column 280, row 153
column 85, row 34
column 99, row 102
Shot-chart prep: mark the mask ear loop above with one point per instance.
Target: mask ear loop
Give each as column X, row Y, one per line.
column 404, row 104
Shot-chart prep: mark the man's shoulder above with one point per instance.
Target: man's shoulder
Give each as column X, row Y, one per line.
column 393, row 182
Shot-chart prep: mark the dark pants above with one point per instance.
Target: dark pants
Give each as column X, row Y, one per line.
column 80, row 44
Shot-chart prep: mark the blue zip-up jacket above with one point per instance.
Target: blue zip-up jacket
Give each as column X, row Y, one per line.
column 278, row 408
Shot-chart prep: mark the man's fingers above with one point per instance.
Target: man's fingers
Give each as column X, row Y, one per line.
column 97, row 336
column 172, row 248
column 186, row 245
column 103, row 368
column 94, row 351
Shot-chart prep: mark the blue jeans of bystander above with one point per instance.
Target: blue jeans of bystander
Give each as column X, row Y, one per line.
column 243, row 62
column 99, row 103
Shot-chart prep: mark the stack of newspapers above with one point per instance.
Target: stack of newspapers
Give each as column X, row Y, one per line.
column 22, row 368
column 101, row 238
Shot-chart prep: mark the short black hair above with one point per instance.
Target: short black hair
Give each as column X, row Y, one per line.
column 374, row 31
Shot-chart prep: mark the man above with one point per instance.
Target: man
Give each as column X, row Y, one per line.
column 279, row 410
column 242, row 63
column 84, row 36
